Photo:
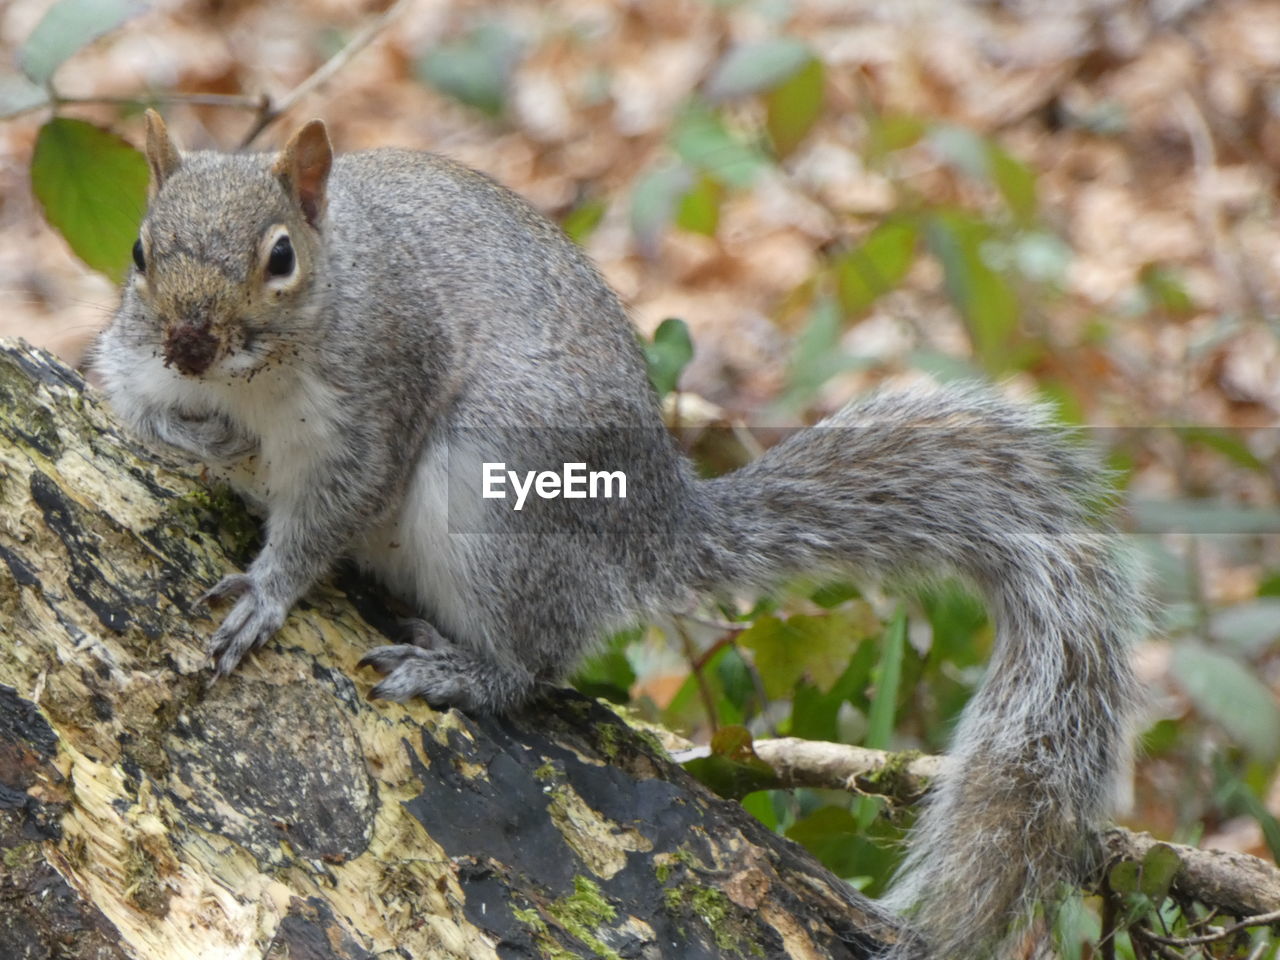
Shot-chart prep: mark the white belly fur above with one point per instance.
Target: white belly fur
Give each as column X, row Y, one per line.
column 422, row 556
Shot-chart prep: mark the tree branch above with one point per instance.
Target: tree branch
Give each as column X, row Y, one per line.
column 235, row 100
column 902, row 777
column 268, row 112
column 1235, row 883
column 144, row 815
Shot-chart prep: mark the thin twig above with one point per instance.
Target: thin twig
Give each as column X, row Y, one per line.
column 1234, row 883
column 724, row 626
column 1208, row 209
column 1167, row 952
column 702, row 659
column 704, row 690
column 237, row 100
column 902, row 777
column 1107, row 944
column 1262, row 919
column 268, row 112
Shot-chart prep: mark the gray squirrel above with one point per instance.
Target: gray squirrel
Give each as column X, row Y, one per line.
column 358, row 333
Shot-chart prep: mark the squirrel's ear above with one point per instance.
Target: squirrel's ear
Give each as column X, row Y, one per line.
column 303, row 168
column 162, row 156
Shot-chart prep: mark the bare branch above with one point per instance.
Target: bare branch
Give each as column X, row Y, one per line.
column 236, row 100
column 269, row 112
column 1234, row 883
column 1218, row 933
column 903, row 777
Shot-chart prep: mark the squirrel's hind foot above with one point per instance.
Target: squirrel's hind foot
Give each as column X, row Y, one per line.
column 423, row 634
column 446, row 677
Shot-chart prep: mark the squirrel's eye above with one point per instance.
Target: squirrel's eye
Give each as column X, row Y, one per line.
column 280, row 260
column 138, row 260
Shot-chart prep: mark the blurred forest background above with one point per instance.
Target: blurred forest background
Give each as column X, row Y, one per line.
column 801, row 200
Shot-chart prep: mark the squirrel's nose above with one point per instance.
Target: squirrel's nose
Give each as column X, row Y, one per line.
column 190, row 347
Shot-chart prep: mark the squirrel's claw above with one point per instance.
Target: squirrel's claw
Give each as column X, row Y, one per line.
column 423, row 634
column 410, row 671
column 229, row 587
column 249, row 624
column 391, row 657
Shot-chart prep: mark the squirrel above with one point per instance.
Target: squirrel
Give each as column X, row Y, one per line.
column 363, row 330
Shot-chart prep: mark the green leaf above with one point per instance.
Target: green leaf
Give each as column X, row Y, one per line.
column 834, row 594
column 983, row 297
column 891, row 132
column 66, row 27
column 1250, row 628
column 1163, row 737
column 984, row 159
column 699, row 209
column 794, row 106
column 475, row 70
column 733, row 769
column 654, row 200
column 1202, row 517
column 732, row 778
column 1243, row 796
column 816, row 715
column 1123, row 877
column 1015, row 181
column 1073, row 926
column 760, row 805
column 757, row 67
column 848, row 846
column 1041, row 256
column 1159, row 867
column 833, row 836
column 816, row 357
column 956, row 615
column 1164, row 289
column 1226, row 442
column 738, row 683
column 609, row 674
column 1270, row 585
column 580, row 222
column 961, row 148
column 888, row 678
column 701, row 139
column 1226, row 692
column 877, row 266
column 668, row 354
column 17, row 94
column 817, row 648
column 733, row 741
column 93, row 189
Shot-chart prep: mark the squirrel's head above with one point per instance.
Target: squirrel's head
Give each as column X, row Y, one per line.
column 225, row 259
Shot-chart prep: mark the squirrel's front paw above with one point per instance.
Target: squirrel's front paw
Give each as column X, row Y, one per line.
column 210, row 437
column 251, row 622
column 439, row 676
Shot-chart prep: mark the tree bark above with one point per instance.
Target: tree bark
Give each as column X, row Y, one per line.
column 144, row 814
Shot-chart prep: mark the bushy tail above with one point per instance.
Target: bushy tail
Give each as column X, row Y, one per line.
column 926, row 484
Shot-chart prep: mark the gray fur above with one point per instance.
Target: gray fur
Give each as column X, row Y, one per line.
column 924, row 484
column 438, row 321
